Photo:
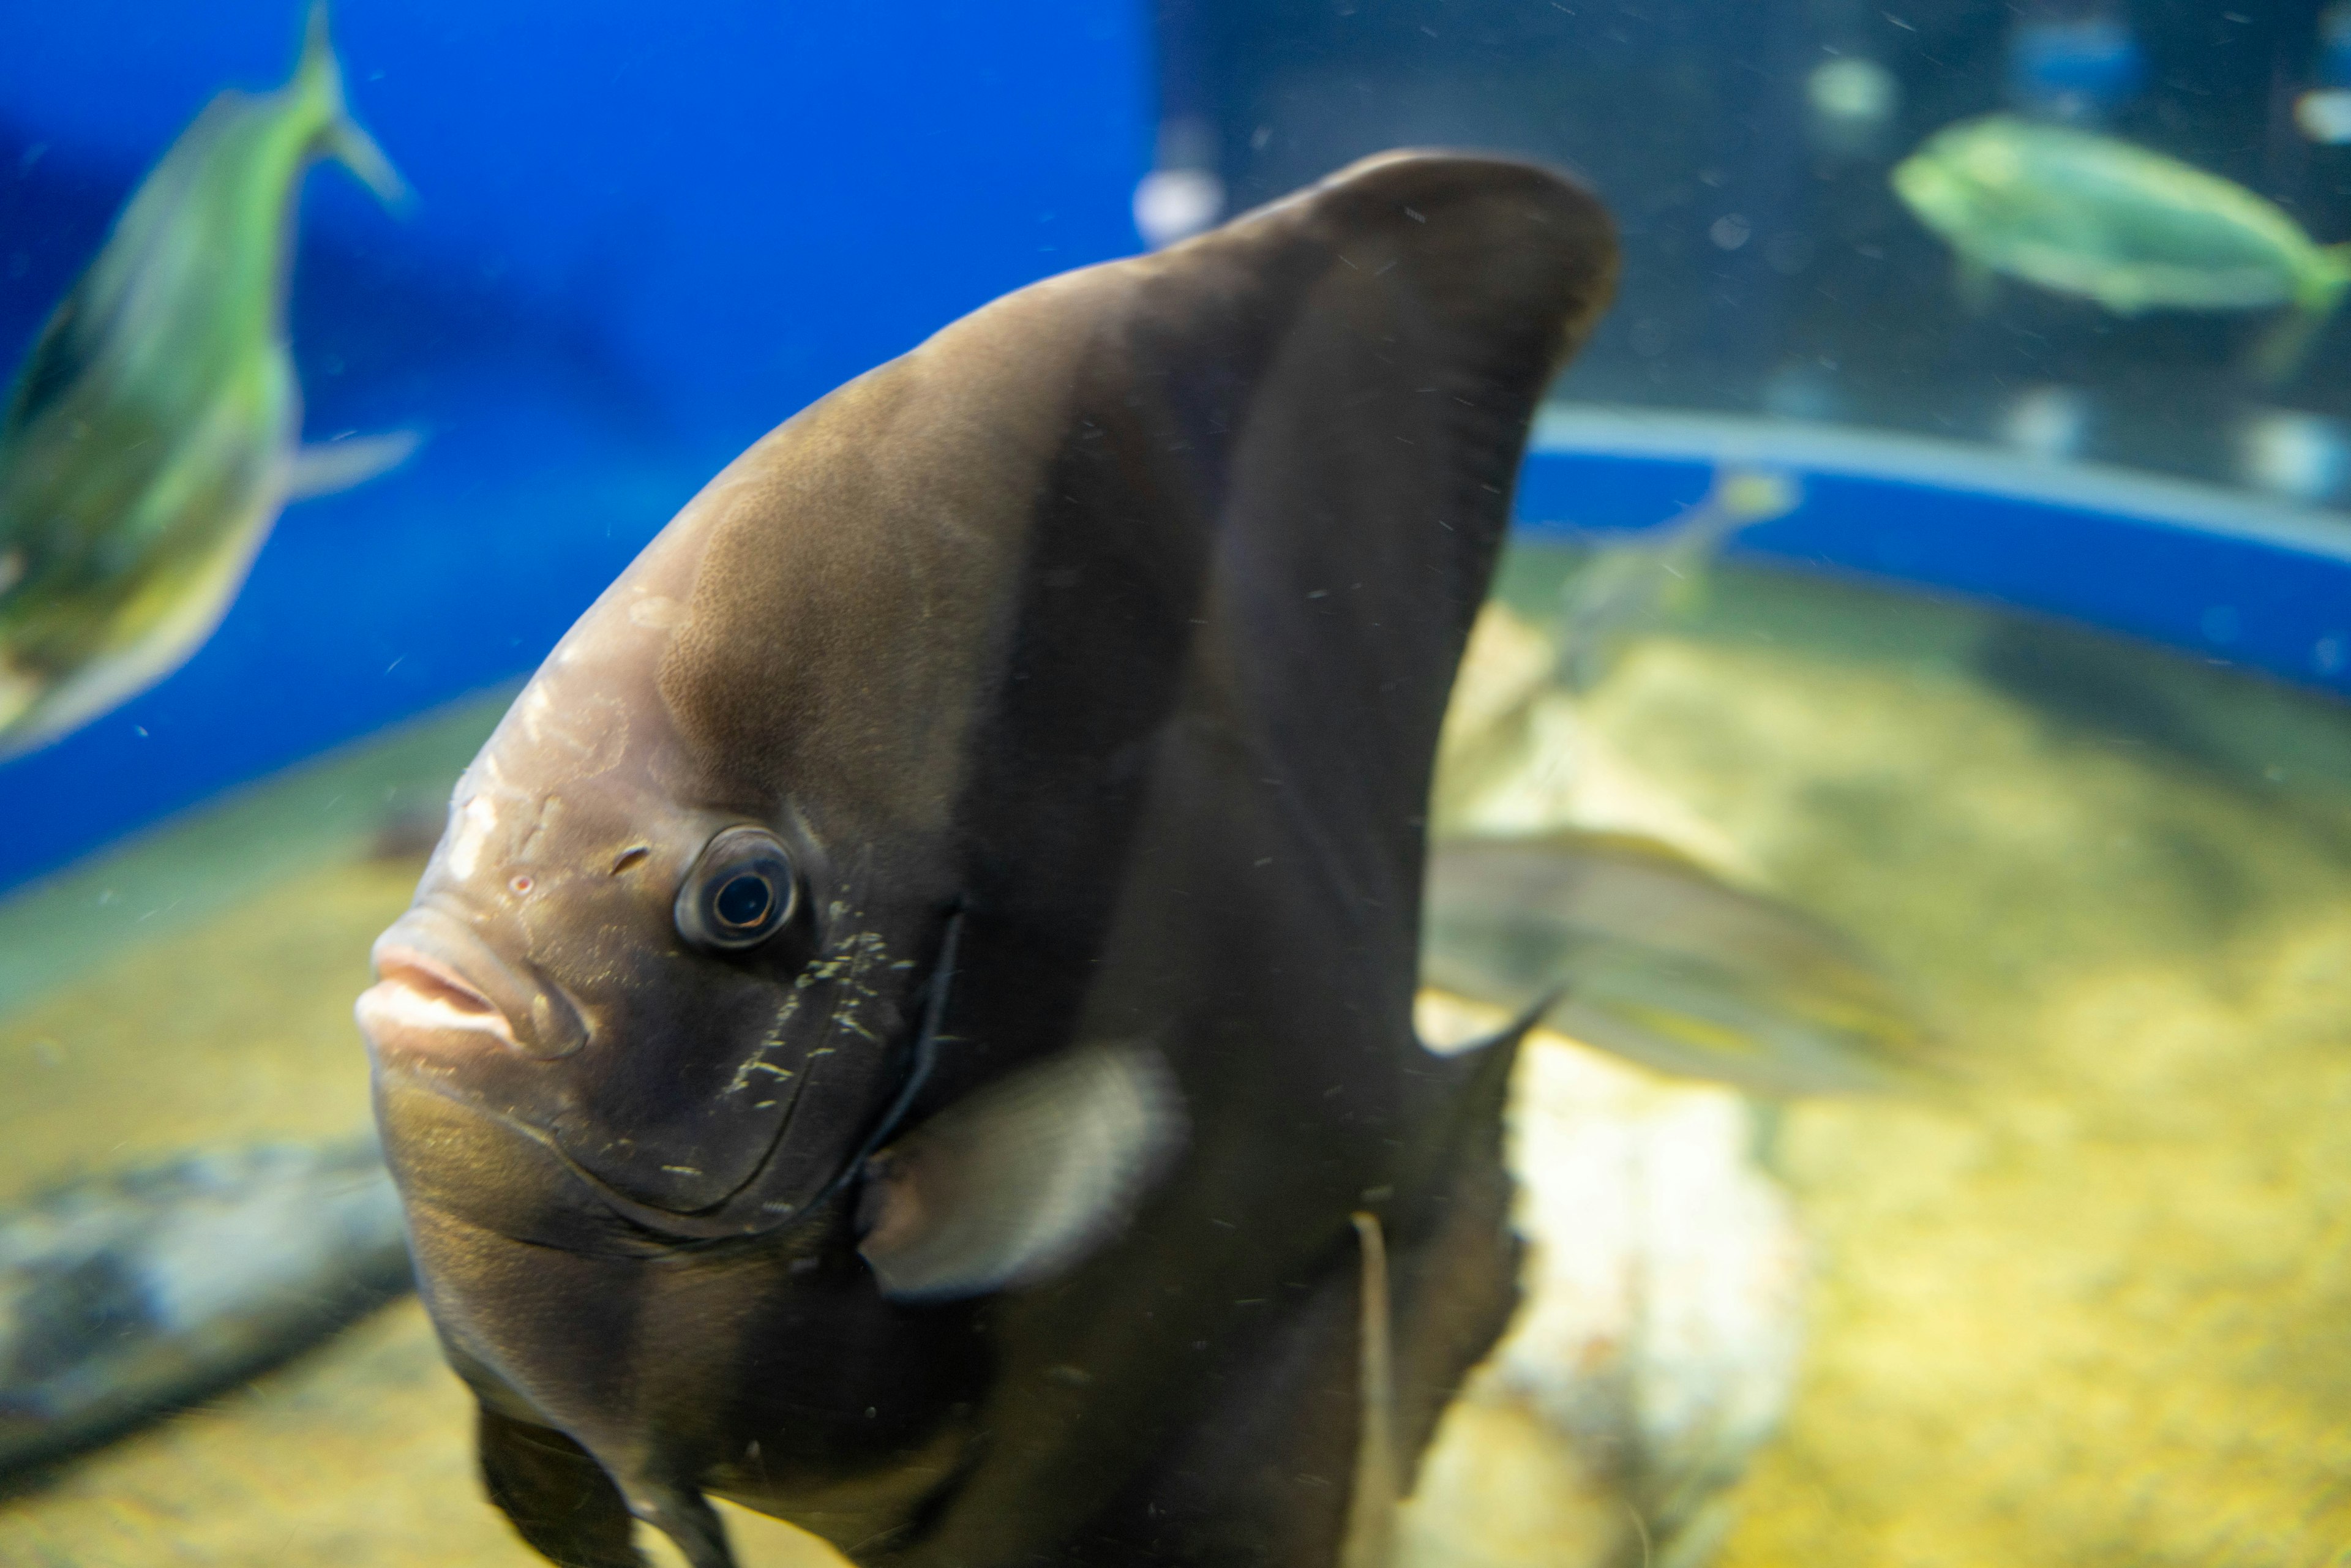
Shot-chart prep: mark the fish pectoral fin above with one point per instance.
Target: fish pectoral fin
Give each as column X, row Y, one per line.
column 556, row 1495
column 1022, row 1178
column 339, row 465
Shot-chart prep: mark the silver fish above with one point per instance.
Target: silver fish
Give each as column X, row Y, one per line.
column 1654, row 958
column 1628, row 585
column 126, row 1296
column 152, row 435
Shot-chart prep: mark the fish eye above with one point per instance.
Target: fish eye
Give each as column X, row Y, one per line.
column 739, row 893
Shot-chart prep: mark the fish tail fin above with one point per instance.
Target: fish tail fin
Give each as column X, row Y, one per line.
column 319, row 77
column 2279, row 351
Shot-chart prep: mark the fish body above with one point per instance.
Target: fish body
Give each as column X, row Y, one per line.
column 1642, row 951
column 149, row 440
column 1564, row 878
column 123, row 1297
column 914, row 992
column 2101, row 219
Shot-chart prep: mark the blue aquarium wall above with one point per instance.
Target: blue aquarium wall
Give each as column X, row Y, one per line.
column 641, row 236
column 2230, row 578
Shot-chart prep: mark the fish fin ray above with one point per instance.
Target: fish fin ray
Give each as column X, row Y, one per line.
column 339, row 466
column 1022, row 1178
column 1370, row 1539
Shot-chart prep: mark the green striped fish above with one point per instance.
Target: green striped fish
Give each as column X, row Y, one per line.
column 151, row 436
column 2106, row 220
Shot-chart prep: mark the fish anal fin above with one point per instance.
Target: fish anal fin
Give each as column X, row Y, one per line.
column 1022, row 1178
column 339, row 465
column 557, row 1498
column 685, row 1516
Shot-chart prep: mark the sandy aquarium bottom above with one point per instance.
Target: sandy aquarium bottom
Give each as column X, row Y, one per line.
column 2076, row 1297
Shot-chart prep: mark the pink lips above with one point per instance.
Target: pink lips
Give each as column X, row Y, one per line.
column 441, row 992
column 417, row 1000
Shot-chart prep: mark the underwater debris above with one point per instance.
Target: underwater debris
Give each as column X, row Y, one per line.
column 127, row 1296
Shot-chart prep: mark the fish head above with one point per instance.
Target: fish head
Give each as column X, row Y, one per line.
column 1965, row 178
column 691, row 894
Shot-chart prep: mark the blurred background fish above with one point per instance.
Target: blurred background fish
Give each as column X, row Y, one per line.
column 152, row 435
column 1518, row 758
column 2103, row 219
column 129, row 1295
column 1630, row 585
column 1656, row 959
column 1560, row 870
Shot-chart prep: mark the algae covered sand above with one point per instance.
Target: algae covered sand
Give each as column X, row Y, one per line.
column 2091, row 1306
column 2088, row 1306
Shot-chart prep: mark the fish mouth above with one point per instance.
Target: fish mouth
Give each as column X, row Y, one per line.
column 441, row 992
column 417, row 1090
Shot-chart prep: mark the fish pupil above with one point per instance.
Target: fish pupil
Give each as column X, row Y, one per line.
column 743, row 900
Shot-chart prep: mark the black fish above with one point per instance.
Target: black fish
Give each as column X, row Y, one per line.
column 913, row 994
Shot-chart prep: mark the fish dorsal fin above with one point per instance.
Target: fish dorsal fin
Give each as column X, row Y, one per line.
column 1370, row 1541
column 1021, row 1179
column 1366, row 484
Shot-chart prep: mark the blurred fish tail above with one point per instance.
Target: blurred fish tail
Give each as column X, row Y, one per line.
column 318, row 79
column 2279, row 351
